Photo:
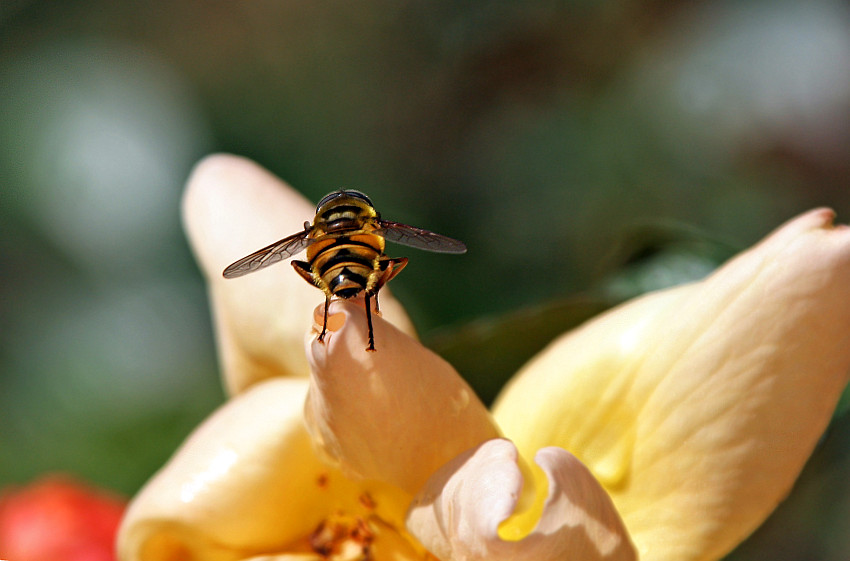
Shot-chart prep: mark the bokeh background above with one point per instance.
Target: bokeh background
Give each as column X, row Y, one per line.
column 585, row 150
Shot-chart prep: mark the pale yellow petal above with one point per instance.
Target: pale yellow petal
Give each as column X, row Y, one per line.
column 231, row 208
column 244, row 483
column 698, row 406
column 459, row 512
column 396, row 414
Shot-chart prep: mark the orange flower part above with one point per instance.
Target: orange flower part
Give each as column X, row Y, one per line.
column 58, row 519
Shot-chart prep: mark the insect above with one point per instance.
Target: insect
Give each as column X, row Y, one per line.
column 345, row 251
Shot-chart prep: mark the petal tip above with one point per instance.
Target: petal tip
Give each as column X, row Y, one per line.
column 340, row 313
column 207, row 173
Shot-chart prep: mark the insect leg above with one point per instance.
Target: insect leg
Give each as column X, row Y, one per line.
column 371, row 346
column 304, row 269
column 325, row 322
column 389, row 267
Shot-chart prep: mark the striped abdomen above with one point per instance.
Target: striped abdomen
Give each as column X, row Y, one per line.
column 344, row 265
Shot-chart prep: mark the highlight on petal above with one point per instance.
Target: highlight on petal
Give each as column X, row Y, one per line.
column 459, row 513
column 231, row 208
column 396, row 414
column 246, row 482
column 697, row 407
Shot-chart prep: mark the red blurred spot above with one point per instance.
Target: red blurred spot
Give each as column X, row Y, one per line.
column 58, row 519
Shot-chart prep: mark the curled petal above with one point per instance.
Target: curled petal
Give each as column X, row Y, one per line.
column 396, row 414
column 459, row 512
column 231, row 208
column 698, row 406
column 246, row 482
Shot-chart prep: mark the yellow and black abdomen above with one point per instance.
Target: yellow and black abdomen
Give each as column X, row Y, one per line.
column 343, row 264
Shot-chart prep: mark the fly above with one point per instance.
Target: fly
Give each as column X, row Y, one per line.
column 345, row 251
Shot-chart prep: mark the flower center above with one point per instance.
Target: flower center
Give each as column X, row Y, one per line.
column 342, row 537
column 359, row 532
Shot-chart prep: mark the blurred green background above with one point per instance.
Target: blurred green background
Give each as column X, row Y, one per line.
column 584, row 150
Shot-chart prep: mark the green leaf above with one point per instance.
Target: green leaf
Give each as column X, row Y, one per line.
column 487, row 352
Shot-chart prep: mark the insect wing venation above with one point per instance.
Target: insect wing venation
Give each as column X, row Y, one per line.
column 287, row 247
column 419, row 238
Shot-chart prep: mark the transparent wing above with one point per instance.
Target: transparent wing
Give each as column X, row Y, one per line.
column 278, row 251
column 419, row 238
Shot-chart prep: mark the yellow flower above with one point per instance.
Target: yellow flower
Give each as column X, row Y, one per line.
column 667, row 428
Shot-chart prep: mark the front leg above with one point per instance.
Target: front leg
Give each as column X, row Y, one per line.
column 325, row 322
column 371, row 346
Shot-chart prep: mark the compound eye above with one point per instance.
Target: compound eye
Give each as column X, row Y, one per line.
column 359, row 195
column 326, row 199
column 352, row 193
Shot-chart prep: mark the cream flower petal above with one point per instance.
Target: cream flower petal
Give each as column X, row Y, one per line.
column 396, row 414
column 458, row 514
column 231, row 208
column 698, row 406
column 245, row 482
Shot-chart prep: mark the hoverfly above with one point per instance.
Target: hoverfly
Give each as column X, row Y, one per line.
column 345, row 251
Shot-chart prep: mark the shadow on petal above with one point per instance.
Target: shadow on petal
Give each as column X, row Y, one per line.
column 396, row 414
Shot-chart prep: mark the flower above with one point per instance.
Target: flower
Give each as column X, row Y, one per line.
column 660, row 429
column 58, row 518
